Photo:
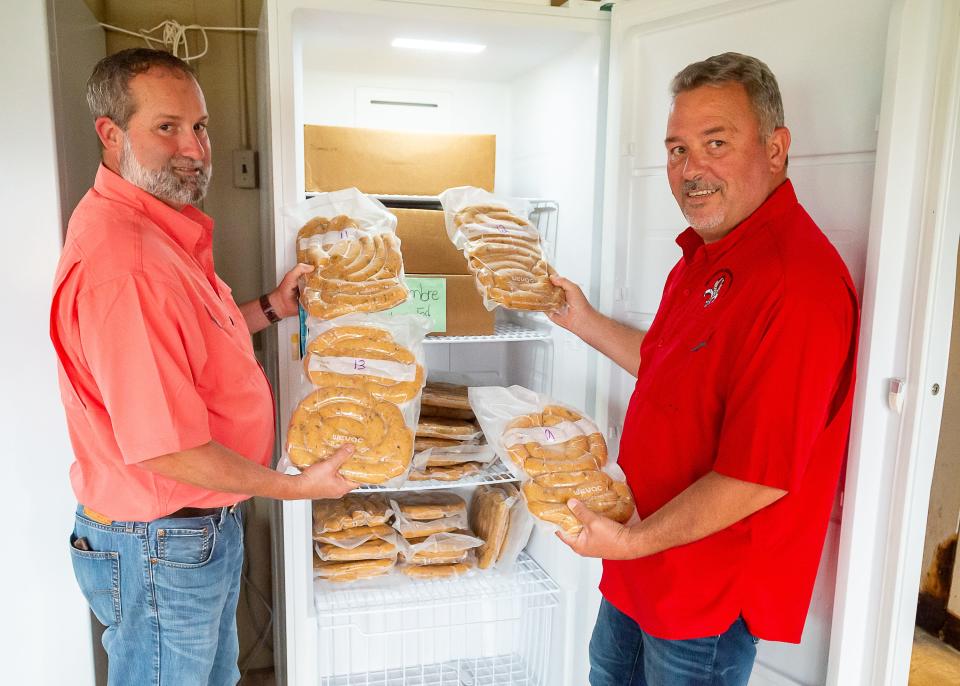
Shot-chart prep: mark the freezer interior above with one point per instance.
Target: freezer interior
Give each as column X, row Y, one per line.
column 537, row 87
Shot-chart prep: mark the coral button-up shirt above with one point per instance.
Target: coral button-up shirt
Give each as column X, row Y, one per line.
column 154, row 354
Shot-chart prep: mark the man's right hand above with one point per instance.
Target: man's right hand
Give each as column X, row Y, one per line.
column 619, row 342
column 578, row 313
column 323, row 480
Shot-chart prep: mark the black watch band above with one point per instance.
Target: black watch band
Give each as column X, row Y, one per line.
column 268, row 310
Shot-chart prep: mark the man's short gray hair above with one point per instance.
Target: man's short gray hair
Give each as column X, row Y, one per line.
column 108, row 88
column 732, row 67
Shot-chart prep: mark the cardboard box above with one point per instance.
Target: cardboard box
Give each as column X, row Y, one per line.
column 396, row 162
column 424, row 243
column 465, row 313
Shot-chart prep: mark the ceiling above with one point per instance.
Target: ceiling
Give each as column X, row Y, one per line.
column 348, row 42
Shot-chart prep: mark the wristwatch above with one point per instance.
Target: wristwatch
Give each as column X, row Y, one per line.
column 268, row 310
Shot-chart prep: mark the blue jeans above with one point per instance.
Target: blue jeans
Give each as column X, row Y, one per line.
column 167, row 592
column 623, row 654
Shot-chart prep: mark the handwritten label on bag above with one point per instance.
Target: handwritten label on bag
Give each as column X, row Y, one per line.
column 428, row 296
column 363, row 365
column 504, row 228
column 549, row 435
column 320, row 243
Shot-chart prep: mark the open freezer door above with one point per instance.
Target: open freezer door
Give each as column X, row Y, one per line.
column 829, row 60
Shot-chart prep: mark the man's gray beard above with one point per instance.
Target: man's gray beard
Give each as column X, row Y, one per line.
column 164, row 184
column 709, row 224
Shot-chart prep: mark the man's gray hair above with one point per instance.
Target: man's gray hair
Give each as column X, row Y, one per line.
column 108, row 88
column 732, row 67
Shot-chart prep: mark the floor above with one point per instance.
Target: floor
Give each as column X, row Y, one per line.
column 933, row 663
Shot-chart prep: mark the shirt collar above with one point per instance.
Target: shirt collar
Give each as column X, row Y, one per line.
column 779, row 201
column 186, row 227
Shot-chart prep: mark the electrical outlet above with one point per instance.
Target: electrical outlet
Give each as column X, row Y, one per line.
column 245, row 168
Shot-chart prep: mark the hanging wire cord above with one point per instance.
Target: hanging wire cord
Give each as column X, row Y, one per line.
column 172, row 35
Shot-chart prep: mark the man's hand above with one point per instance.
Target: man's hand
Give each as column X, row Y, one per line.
column 619, row 342
column 284, row 297
column 323, row 480
column 600, row 536
column 578, row 313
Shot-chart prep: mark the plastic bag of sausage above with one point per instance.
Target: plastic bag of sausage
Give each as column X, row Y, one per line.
column 556, row 451
column 503, row 250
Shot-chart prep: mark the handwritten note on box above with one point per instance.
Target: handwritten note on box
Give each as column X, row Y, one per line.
column 428, row 296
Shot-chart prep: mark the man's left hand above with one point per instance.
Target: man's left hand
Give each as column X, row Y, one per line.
column 600, row 536
column 284, row 297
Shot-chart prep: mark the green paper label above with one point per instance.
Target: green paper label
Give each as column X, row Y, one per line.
column 427, row 297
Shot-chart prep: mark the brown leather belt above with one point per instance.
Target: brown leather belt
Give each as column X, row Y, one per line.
column 185, row 512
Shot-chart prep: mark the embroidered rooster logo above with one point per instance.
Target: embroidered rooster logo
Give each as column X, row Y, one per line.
column 718, row 281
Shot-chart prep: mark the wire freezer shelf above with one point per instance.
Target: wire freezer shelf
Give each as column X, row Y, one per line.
column 493, row 474
column 503, row 331
column 525, row 580
column 492, row 671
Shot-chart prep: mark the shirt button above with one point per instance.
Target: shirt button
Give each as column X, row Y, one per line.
column 686, row 291
column 660, row 343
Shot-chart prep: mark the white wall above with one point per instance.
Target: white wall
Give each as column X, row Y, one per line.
column 45, row 638
column 336, row 99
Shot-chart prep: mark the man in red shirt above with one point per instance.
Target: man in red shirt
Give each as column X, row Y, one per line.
column 736, row 432
column 170, row 415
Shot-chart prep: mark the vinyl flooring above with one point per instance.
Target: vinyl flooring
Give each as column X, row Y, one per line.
column 933, row 662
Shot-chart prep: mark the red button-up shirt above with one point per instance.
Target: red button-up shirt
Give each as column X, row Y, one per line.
column 154, row 354
column 748, row 371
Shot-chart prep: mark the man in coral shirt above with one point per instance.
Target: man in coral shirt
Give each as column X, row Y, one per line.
column 736, row 432
column 170, row 415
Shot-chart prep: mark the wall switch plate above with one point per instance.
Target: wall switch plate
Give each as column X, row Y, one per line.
column 245, row 168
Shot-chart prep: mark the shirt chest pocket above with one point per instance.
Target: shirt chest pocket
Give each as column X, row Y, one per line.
column 689, row 369
column 230, row 360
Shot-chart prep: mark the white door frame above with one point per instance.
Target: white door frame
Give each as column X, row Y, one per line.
column 905, row 333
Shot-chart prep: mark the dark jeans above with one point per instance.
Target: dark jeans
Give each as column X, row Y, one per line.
column 623, row 654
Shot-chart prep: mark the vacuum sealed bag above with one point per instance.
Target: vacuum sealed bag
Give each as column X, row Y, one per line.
column 380, row 354
column 351, row 241
column 362, row 379
column 498, row 516
column 444, row 548
column 420, row 515
column 502, row 248
column 350, row 512
column 556, row 451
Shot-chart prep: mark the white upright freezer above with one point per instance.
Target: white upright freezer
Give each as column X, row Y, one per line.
column 578, row 99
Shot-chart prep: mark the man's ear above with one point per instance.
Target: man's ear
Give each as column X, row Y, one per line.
column 778, row 146
column 110, row 135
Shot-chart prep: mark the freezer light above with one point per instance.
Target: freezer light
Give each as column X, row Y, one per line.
column 438, row 46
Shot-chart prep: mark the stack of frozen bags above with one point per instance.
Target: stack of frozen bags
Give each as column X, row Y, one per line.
column 352, row 539
column 437, row 541
column 449, row 444
column 433, row 534
column 365, row 369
